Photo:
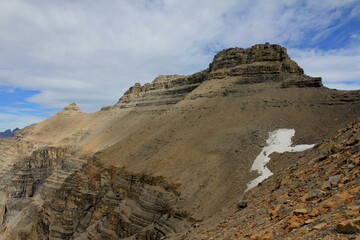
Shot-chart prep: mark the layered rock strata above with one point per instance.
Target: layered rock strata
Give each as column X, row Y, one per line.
column 54, row 196
column 258, row 64
column 164, row 90
column 110, row 203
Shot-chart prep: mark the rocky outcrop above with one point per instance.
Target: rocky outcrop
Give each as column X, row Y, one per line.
column 72, row 107
column 269, row 59
column 111, row 203
column 164, row 90
column 258, row 64
column 57, row 195
column 28, row 182
column 32, row 172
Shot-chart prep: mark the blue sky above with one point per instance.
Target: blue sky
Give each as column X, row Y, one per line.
column 90, row 52
column 15, row 109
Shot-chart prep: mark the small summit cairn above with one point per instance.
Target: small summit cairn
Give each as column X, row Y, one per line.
column 72, row 107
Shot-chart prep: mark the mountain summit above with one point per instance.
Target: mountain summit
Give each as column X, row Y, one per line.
column 173, row 158
column 262, row 63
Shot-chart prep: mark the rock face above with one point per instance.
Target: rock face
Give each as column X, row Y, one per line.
column 163, row 90
column 172, row 159
column 260, row 63
column 257, row 60
column 110, row 203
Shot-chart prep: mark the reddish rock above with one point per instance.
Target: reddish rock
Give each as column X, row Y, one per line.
column 275, row 212
column 309, row 221
column 349, row 226
column 330, row 204
column 344, row 197
column 294, row 223
column 320, row 226
column 262, row 236
column 353, row 211
column 314, row 212
column 300, row 211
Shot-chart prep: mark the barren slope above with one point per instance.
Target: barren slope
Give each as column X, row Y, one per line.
column 317, row 197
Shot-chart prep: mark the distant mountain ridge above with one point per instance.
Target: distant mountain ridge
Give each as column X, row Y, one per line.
column 8, row 133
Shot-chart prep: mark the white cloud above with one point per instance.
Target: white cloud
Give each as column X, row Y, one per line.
column 339, row 68
column 12, row 121
column 91, row 52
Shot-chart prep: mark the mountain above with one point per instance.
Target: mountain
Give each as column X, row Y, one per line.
column 8, row 133
column 172, row 158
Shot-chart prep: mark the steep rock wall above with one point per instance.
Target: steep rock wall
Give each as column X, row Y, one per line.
column 260, row 63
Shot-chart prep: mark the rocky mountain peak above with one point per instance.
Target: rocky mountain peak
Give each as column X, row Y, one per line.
column 257, row 54
column 72, row 107
column 257, row 60
column 261, row 63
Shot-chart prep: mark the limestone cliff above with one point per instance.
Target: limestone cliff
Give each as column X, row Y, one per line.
column 172, row 158
column 260, row 63
column 163, row 90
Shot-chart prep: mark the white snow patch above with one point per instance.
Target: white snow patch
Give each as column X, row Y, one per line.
column 279, row 141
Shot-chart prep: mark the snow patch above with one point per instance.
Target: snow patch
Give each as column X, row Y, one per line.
column 279, row 141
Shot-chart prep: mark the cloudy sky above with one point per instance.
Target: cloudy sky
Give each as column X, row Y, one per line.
column 53, row 53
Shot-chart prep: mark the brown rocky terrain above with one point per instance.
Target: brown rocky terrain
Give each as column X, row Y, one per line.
column 316, row 197
column 172, row 159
